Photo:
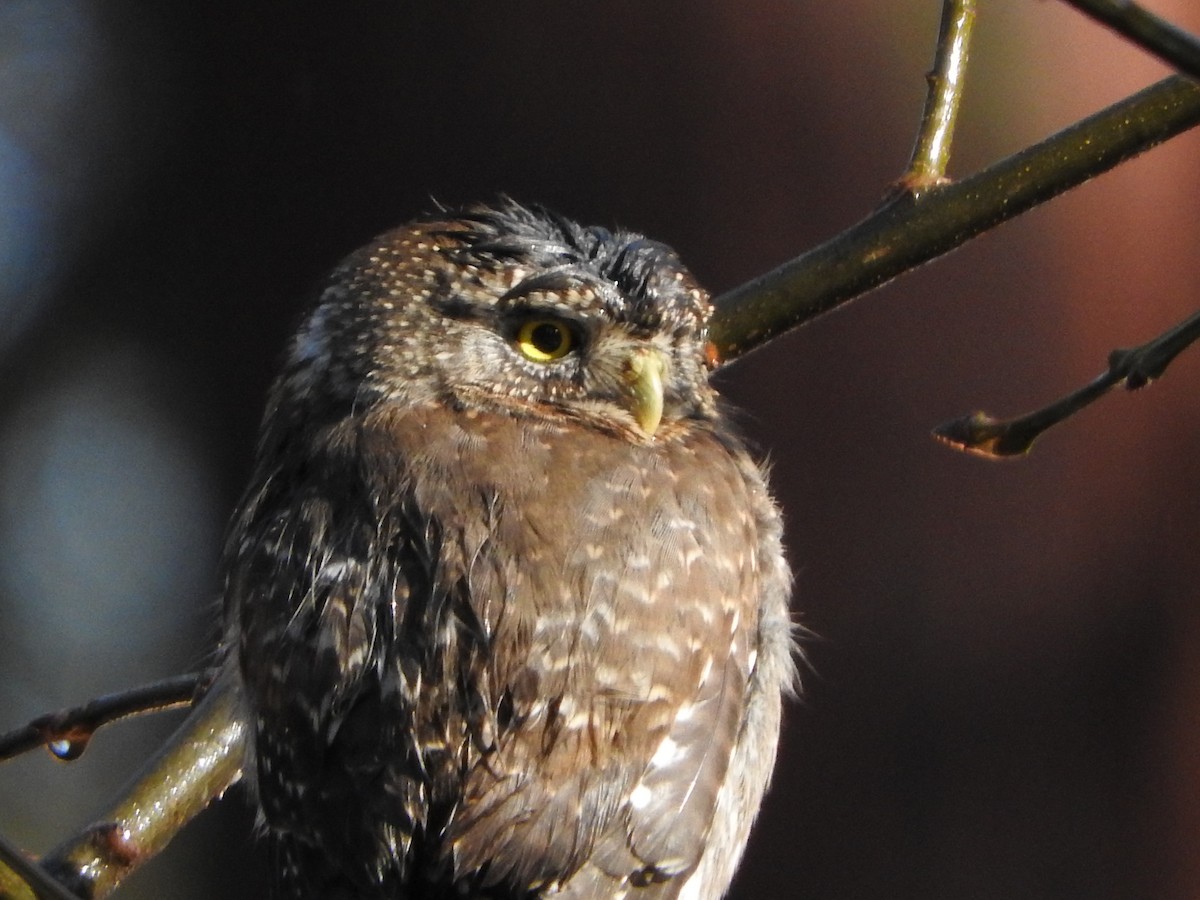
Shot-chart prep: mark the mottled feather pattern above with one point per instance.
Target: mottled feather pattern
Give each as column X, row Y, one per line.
column 498, row 639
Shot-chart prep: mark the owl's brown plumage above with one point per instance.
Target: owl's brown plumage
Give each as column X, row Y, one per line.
column 506, row 594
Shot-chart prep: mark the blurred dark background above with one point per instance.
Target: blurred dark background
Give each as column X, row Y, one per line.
column 1004, row 683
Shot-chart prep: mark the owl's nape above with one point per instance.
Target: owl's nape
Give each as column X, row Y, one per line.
column 506, row 594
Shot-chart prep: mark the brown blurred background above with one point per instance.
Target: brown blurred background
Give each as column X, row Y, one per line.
column 1004, row 692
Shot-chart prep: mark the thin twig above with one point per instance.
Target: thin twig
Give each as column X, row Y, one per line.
column 67, row 732
column 1167, row 41
column 981, row 434
column 23, row 879
column 198, row 763
column 909, row 231
column 931, row 153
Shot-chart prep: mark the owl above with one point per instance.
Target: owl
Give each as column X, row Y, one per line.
column 505, row 597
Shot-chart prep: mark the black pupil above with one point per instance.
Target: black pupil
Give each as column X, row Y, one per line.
column 547, row 337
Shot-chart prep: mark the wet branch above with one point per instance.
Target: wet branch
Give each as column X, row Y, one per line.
column 66, row 733
column 199, row 762
column 931, row 153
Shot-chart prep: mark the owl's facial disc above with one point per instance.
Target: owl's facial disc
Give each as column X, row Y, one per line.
column 632, row 373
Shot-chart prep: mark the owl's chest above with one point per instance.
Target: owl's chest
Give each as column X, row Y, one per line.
column 559, row 499
column 578, row 550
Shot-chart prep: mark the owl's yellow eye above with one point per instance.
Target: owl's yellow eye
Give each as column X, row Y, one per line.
column 545, row 340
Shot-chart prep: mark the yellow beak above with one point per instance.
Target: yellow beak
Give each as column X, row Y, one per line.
column 644, row 379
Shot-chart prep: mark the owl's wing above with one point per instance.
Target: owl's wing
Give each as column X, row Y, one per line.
column 670, row 810
column 624, row 795
column 328, row 728
column 665, row 823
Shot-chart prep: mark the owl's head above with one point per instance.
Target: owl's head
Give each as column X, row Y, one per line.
column 511, row 308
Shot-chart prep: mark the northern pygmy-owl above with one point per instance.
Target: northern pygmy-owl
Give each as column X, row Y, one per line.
column 506, row 594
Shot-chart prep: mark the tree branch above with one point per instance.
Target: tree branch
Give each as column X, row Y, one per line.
column 1168, row 42
column 979, row 433
column 931, row 153
column 66, row 733
column 983, row 435
column 198, row 763
column 908, row 231
column 23, row 879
